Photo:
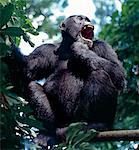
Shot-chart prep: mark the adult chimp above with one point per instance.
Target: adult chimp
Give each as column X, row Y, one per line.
column 83, row 78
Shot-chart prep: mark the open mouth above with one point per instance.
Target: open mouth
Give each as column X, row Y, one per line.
column 87, row 32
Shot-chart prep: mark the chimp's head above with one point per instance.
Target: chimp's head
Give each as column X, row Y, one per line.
column 78, row 27
column 74, row 28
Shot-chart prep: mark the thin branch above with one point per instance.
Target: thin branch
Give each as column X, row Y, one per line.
column 117, row 135
column 124, row 135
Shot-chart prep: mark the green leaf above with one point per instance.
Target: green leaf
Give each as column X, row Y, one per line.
column 12, row 101
column 17, row 40
column 3, row 49
column 27, row 39
column 83, row 136
column 30, row 122
column 4, row 2
column 16, row 31
column 5, row 14
column 73, row 130
column 13, row 31
column 86, row 146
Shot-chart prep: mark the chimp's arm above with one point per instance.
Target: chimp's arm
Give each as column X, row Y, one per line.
column 39, row 64
column 100, row 57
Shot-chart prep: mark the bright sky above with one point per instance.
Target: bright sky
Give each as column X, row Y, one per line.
column 84, row 7
column 78, row 7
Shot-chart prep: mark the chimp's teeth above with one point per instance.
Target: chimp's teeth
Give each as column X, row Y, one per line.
column 90, row 26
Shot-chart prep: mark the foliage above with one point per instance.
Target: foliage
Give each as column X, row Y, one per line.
column 11, row 31
column 14, row 124
column 46, row 10
column 17, row 123
column 104, row 10
column 14, row 109
column 77, row 139
column 122, row 34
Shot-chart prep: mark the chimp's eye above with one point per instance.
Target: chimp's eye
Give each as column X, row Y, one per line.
column 80, row 18
column 63, row 25
column 87, row 19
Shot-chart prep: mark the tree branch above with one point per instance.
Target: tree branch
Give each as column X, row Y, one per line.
column 124, row 135
column 117, row 135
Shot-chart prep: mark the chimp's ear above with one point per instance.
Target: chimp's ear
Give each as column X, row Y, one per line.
column 62, row 26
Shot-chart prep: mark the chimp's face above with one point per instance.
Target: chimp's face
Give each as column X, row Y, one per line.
column 78, row 26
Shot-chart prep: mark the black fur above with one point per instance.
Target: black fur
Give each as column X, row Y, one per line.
column 82, row 82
